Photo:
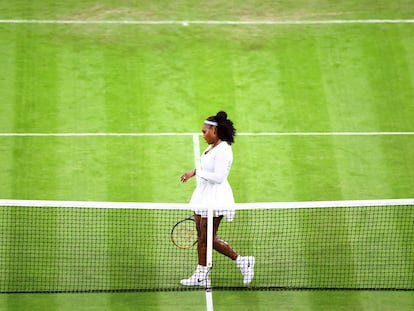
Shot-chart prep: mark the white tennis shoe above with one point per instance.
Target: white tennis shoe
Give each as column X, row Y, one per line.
column 200, row 277
column 246, row 266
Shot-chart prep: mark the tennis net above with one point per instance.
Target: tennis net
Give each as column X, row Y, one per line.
column 53, row 246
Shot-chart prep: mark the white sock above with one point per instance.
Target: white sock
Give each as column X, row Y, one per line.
column 202, row 269
column 238, row 260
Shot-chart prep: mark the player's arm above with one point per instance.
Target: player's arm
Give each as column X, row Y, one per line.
column 222, row 165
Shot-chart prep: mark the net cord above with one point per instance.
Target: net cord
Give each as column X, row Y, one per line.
column 180, row 206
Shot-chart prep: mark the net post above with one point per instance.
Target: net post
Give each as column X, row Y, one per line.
column 209, row 300
column 209, row 256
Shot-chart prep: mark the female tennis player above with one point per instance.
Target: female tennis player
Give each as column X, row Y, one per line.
column 214, row 189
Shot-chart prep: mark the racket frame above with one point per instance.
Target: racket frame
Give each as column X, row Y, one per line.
column 190, row 218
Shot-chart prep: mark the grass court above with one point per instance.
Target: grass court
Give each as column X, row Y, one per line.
column 336, row 97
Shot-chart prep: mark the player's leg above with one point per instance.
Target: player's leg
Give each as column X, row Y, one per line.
column 201, row 276
column 218, row 244
column 244, row 263
column 201, row 226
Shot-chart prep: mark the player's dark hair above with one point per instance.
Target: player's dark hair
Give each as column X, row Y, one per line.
column 225, row 128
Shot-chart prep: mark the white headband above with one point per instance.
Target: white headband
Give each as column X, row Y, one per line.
column 210, row 122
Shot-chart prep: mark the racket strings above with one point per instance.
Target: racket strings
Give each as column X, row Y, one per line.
column 184, row 233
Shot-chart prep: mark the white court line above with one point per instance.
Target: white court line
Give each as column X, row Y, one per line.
column 325, row 133
column 196, row 144
column 94, row 134
column 210, row 22
column 198, row 134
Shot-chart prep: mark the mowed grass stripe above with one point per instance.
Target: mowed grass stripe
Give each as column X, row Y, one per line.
column 9, row 69
column 81, row 169
column 127, row 94
column 408, row 48
column 290, row 170
column 126, row 170
column 35, row 108
column 314, row 169
column 81, row 87
column 363, row 163
column 212, row 73
column 36, row 86
column 390, row 85
column 304, row 103
column 257, row 87
column 153, row 107
column 398, row 154
column 7, row 111
column 293, row 169
column 382, row 167
column 81, row 105
column 343, row 67
column 172, row 97
column 305, row 106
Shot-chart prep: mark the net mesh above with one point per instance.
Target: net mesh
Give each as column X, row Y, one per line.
column 84, row 249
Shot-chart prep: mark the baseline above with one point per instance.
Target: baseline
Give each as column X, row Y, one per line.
column 198, row 134
column 210, row 22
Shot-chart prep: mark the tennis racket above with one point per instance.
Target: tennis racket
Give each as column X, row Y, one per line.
column 184, row 233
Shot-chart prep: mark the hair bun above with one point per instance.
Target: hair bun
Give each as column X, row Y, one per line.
column 221, row 116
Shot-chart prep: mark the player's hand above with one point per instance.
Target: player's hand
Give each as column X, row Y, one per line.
column 187, row 175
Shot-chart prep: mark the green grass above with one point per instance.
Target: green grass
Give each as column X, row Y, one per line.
column 216, row 9
column 80, row 164
column 191, row 301
column 168, row 78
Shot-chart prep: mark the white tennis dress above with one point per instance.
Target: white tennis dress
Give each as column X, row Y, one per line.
column 213, row 188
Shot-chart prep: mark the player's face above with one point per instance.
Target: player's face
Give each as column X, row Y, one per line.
column 209, row 133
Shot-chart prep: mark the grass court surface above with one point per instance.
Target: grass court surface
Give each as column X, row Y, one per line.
column 291, row 79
